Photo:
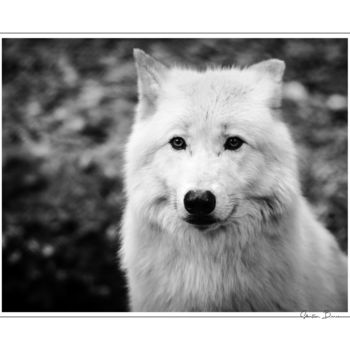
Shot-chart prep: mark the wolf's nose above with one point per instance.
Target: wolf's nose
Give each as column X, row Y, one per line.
column 199, row 202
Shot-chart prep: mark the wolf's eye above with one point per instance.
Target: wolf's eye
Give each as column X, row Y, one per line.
column 233, row 143
column 178, row 143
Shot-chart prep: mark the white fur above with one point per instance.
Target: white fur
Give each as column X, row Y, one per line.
column 268, row 253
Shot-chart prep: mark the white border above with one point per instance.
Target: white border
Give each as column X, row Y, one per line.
column 175, row 35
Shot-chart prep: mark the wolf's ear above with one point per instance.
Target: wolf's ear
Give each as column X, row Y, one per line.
column 272, row 68
column 150, row 75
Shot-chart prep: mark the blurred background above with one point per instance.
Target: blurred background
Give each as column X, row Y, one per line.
column 67, row 110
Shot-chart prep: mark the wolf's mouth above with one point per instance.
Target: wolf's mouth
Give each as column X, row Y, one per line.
column 202, row 221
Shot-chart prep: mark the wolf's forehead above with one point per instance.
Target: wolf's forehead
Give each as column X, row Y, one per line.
column 215, row 85
column 214, row 92
column 212, row 98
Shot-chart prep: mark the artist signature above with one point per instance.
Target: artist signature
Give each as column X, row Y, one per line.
column 322, row 315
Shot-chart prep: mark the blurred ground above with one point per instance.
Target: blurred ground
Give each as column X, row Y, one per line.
column 67, row 110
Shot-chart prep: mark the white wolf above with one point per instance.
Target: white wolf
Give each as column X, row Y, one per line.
column 215, row 220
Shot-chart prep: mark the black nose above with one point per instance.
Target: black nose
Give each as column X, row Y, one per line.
column 199, row 202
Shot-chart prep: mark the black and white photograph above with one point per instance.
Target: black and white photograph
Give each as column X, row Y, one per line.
column 171, row 175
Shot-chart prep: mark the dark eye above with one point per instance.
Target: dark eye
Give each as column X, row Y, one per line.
column 178, row 143
column 233, row 143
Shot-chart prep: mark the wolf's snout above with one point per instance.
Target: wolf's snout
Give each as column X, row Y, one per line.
column 199, row 202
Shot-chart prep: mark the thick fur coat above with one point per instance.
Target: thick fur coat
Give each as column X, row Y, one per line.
column 266, row 251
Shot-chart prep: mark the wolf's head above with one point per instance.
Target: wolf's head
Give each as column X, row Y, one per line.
column 208, row 148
